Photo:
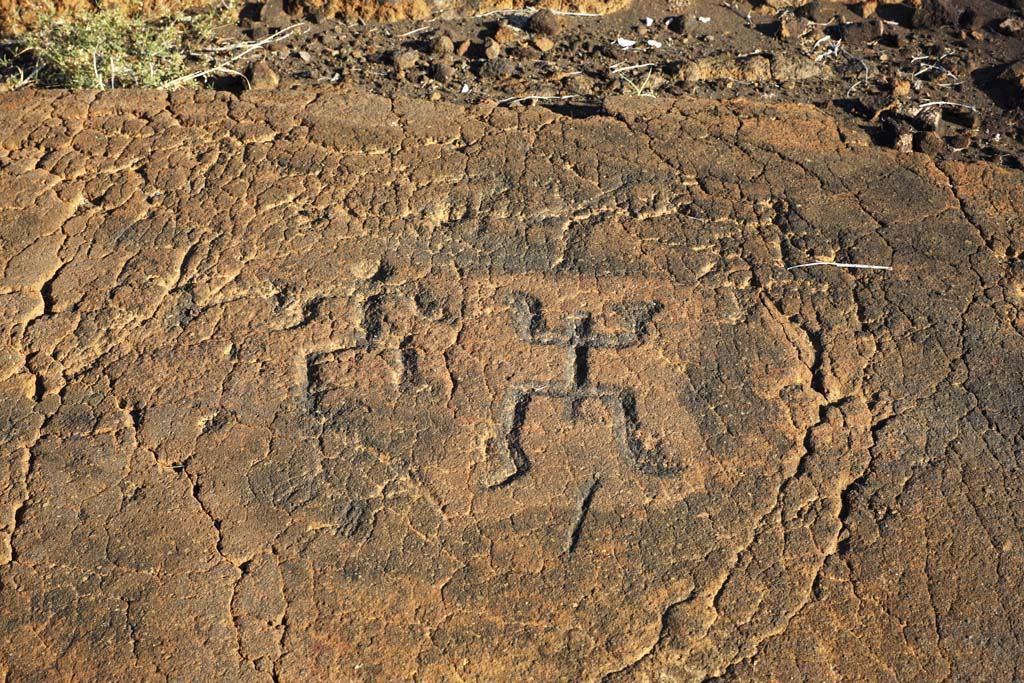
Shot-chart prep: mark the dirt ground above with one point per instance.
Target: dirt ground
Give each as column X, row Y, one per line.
column 938, row 79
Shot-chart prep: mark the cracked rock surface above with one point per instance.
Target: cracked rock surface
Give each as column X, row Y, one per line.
column 326, row 387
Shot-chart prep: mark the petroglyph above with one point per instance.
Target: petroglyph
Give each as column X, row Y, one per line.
column 577, row 337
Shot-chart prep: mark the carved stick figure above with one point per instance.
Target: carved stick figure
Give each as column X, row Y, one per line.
column 578, row 337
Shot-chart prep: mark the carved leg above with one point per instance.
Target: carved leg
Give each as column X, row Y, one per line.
column 622, row 407
column 506, row 450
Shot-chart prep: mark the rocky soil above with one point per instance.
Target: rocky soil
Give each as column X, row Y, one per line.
column 942, row 79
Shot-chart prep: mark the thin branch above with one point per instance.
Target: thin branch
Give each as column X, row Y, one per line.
column 838, row 265
column 513, row 100
column 224, row 67
column 280, row 35
column 529, row 12
column 413, row 32
column 925, row 105
column 630, row 68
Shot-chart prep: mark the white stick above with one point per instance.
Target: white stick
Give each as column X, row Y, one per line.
column 630, row 68
column 838, row 265
column 945, row 104
column 529, row 12
column 414, row 31
column 512, row 100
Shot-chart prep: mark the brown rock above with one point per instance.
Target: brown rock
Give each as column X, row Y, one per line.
column 819, row 11
column 442, row 45
column 860, row 33
column 507, row 35
column 544, row 22
column 498, row 68
column 928, row 143
column 261, row 76
column 936, row 14
column 865, row 9
column 687, row 25
column 790, row 26
column 295, row 388
column 968, row 118
column 543, row 43
column 873, row 105
column 492, row 49
column 899, row 134
column 405, row 59
column 928, row 119
column 1014, row 73
column 273, row 14
column 442, row 72
column 1012, row 26
column 960, row 142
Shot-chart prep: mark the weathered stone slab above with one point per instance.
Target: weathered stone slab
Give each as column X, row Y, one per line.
column 324, row 387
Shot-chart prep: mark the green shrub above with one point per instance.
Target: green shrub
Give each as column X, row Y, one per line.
column 108, row 48
column 105, row 48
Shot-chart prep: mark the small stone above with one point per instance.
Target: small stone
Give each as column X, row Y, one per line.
column 818, row 11
column 506, row 35
column 442, row 72
column 262, row 77
column 543, row 43
column 1014, row 73
column 970, row 21
column 273, row 15
column 442, row 45
column 526, row 52
column 901, row 88
column 1012, row 26
column 959, row 142
column 684, row 25
column 497, row 69
column 903, row 142
column 404, row 60
column 778, row 29
column 861, row 33
column 928, row 119
column 462, row 48
column 545, row 22
column 492, row 49
column 865, row 9
column 873, row 105
column 967, row 118
column 899, row 134
column 935, row 14
column 928, row 143
column 305, row 56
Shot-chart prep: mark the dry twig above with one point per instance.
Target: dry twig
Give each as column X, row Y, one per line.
column 838, row 265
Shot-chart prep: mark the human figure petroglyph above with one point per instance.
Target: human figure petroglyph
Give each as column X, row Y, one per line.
column 578, row 337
